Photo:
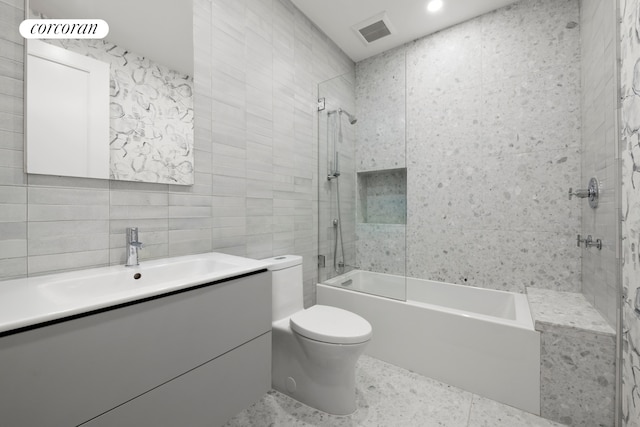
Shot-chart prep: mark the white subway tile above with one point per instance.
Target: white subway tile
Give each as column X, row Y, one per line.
column 11, row 140
column 67, row 196
column 13, row 213
column 12, row 268
column 189, row 211
column 202, row 245
column 67, row 261
column 139, row 212
column 67, row 212
column 67, row 243
column 138, row 198
column 14, row 248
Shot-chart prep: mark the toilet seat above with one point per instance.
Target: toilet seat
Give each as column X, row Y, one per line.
column 331, row 325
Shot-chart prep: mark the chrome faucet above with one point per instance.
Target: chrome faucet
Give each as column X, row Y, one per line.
column 133, row 245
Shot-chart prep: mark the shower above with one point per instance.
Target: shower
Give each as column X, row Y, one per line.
column 352, row 118
column 334, row 173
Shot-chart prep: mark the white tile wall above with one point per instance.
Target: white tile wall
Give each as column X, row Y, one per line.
column 13, row 194
column 599, row 159
column 257, row 66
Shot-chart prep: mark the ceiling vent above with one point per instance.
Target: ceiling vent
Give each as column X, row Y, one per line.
column 374, row 28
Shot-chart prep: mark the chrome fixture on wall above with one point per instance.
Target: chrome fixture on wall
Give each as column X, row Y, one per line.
column 334, row 173
column 322, row 263
column 351, row 117
column 591, row 192
column 133, row 245
column 352, row 120
column 589, row 242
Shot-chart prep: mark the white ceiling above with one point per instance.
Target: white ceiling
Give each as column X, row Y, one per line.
column 159, row 30
column 409, row 18
column 163, row 30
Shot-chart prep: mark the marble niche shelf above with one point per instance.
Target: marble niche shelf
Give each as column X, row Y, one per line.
column 382, row 196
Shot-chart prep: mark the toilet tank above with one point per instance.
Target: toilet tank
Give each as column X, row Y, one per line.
column 286, row 291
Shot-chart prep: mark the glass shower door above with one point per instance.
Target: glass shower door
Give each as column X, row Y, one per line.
column 336, row 177
column 361, row 212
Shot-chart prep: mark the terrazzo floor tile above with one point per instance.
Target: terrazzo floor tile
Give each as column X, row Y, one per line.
column 489, row 413
column 389, row 396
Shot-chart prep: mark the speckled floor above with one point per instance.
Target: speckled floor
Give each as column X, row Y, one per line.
column 389, row 396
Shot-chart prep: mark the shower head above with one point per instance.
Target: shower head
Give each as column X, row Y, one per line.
column 352, row 118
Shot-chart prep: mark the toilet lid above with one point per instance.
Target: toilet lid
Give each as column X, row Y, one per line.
column 331, row 325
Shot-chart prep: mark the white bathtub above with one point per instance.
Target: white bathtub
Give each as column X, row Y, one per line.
column 476, row 339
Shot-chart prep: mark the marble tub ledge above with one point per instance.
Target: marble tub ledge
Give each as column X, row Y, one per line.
column 567, row 310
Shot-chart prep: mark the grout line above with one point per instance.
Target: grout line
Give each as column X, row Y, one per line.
column 473, row 397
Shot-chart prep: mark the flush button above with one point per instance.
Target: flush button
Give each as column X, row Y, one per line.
column 291, row 385
column 281, row 257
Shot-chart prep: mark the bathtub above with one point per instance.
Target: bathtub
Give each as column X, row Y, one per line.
column 479, row 340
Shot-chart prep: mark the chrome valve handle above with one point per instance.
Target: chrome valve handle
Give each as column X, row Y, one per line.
column 589, row 242
column 590, row 192
column 582, row 194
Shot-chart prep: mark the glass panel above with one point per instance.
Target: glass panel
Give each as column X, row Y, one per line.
column 362, row 187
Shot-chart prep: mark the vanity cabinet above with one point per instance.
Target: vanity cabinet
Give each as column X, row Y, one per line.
column 193, row 357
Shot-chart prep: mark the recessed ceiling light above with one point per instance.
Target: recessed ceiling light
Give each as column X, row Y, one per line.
column 434, row 5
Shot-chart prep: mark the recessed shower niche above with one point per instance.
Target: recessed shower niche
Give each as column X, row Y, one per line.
column 382, row 196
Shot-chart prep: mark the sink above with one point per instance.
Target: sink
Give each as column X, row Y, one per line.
column 30, row 301
column 162, row 276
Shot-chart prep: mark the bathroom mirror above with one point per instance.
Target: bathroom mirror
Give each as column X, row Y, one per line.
column 149, row 108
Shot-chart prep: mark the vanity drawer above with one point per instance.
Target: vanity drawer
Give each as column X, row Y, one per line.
column 207, row 396
column 70, row 372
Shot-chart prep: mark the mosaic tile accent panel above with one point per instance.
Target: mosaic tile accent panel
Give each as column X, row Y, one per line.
column 382, row 197
column 380, row 100
column 577, row 360
column 630, row 153
column 515, row 261
column 577, row 377
column 381, row 258
column 535, row 36
column 569, row 309
column 492, row 144
column 151, row 115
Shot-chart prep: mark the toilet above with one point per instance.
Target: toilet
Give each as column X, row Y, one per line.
column 314, row 351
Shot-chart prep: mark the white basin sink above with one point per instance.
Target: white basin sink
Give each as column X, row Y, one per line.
column 34, row 300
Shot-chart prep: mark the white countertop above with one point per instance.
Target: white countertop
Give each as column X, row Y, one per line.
column 34, row 300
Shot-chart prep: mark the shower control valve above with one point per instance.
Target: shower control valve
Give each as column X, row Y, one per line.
column 591, row 193
column 589, row 242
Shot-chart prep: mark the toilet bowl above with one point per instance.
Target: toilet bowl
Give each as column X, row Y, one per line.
column 314, row 351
